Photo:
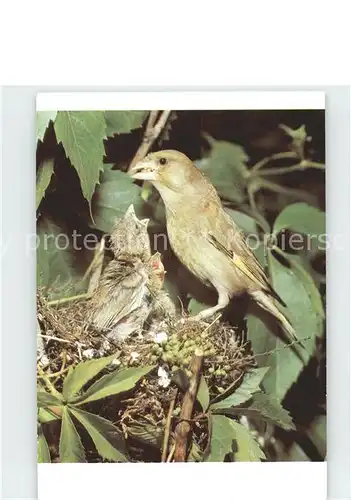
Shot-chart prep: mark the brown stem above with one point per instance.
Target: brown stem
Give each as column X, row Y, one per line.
column 183, row 428
column 152, row 132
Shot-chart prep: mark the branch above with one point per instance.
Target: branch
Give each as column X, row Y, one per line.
column 277, row 156
column 183, row 428
column 303, row 165
column 168, row 427
column 152, row 132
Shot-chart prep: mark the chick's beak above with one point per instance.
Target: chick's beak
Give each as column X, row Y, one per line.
column 145, row 170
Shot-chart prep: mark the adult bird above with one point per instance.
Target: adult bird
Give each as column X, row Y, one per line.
column 204, row 237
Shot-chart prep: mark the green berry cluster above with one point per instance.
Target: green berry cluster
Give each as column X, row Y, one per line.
column 178, row 350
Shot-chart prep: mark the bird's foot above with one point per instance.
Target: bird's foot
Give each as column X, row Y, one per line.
column 203, row 318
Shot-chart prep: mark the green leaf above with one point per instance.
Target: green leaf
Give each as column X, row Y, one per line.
column 301, row 218
column 245, row 222
column 195, row 453
column 42, row 121
column 227, row 170
column 71, row 448
column 44, row 174
column 45, row 416
column 299, row 138
column 82, row 134
column 109, row 443
column 122, row 122
column 264, row 407
column 43, row 452
column 249, row 385
column 271, row 410
column 147, row 433
column 297, row 265
column 203, row 395
column 246, row 447
column 223, row 432
column 221, row 438
column 305, row 312
column 82, row 373
column 113, row 383
column 45, row 399
column 55, row 259
column 113, row 196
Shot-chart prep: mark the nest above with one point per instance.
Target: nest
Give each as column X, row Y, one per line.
column 169, row 345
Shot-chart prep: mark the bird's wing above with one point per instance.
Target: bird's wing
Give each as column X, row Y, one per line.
column 245, row 260
column 120, row 292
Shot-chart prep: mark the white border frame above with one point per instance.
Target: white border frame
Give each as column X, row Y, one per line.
column 305, row 480
column 194, row 100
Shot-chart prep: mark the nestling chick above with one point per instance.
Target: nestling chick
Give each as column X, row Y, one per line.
column 129, row 237
column 203, row 235
column 130, row 289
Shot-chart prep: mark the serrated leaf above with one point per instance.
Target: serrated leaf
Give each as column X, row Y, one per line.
column 302, row 218
column 245, row 222
column 42, row 121
column 45, row 399
column 108, row 441
column 82, row 134
column 45, row 171
column 71, row 448
column 221, row 438
column 43, row 452
column 147, row 433
column 305, row 312
column 122, row 122
column 246, row 447
column 113, row 196
column 203, row 394
column 113, row 383
column 250, row 385
column 264, row 407
column 227, row 170
column 82, row 373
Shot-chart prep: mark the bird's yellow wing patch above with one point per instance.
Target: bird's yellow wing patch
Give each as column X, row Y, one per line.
column 254, row 272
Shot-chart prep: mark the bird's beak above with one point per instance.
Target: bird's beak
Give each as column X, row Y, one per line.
column 145, row 170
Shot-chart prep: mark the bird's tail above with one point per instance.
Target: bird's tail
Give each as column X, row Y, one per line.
column 267, row 303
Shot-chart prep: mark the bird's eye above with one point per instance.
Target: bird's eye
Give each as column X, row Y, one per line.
column 163, row 161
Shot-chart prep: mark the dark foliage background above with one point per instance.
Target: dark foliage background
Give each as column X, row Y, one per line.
column 228, row 146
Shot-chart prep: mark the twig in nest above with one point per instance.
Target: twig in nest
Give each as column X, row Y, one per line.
column 52, row 337
column 153, row 129
column 57, row 375
column 183, row 428
column 64, row 300
column 171, row 453
column 168, row 426
column 213, row 322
